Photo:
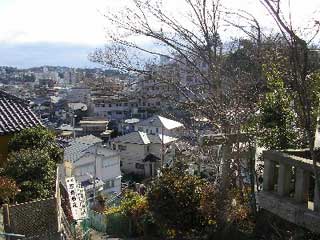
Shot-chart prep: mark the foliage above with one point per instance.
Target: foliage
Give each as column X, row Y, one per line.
column 133, row 206
column 8, row 189
column 277, row 119
column 36, row 138
column 174, row 199
column 34, row 173
column 132, row 177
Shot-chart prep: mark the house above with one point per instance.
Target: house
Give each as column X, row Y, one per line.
column 15, row 115
column 159, row 125
column 127, row 126
column 94, row 126
column 90, row 158
column 114, row 108
column 140, row 153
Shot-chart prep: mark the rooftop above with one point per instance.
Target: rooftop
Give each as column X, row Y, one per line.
column 93, row 122
column 78, row 147
column 161, row 122
column 15, row 114
column 143, row 138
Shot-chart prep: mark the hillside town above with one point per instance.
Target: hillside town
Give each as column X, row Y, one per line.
column 194, row 135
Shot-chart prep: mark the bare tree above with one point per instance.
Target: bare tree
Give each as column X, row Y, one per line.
column 302, row 77
column 191, row 46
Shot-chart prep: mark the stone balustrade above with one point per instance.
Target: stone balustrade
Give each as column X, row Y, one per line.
column 287, row 186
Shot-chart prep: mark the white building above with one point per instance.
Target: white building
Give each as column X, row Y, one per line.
column 111, row 107
column 160, row 125
column 140, row 153
column 88, row 156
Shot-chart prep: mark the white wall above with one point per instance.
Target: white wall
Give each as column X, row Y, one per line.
column 135, row 153
column 107, row 167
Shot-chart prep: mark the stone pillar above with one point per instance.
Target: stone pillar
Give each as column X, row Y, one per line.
column 316, row 200
column 268, row 175
column 284, row 179
column 302, row 186
column 6, row 219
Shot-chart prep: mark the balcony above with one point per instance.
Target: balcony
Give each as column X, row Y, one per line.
column 289, row 188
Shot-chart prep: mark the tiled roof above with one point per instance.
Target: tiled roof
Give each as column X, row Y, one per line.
column 79, row 146
column 15, row 114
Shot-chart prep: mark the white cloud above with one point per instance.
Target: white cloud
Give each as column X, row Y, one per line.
column 79, row 21
column 72, row 21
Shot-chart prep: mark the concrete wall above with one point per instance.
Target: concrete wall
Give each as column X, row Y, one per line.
column 290, row 211
column 135, row 153
column 37, row 220
column 107, row 168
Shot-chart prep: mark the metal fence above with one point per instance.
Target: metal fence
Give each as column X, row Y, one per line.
column 113, row 224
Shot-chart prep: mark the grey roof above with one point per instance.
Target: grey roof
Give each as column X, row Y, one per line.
column 159, row 121
column 15, row 114
column 134, row 137
column 78, row 147
column 143, row 138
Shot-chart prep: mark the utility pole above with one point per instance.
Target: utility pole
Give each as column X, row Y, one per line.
column 74, row 125
column 95, row 174
column 162, row 148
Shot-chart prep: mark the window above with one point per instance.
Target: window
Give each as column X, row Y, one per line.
column 148, row 148
column 110, row 105
column 114, row 147
column 122, row 148
column 139, row 166
column 107, row 185
column 157, row 130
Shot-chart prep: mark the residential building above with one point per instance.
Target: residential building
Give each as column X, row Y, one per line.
column 141, row 153
column 160, row 125
column 79, row 95
column 94, row 126
column 15, row 115
column 111, row 107
column 90, row 158
column 127, row 126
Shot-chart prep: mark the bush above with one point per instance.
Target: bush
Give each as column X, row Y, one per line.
column 34, row 173
column 37, row 138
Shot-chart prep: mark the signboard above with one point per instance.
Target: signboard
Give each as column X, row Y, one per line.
column 77, row 199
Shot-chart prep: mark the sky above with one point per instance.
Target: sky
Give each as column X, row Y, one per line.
column 63, row 32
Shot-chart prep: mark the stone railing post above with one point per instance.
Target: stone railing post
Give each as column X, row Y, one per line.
column 268, row 175
column 284, row 179
column 6, row 219
column 301, row 186
column 316, row 199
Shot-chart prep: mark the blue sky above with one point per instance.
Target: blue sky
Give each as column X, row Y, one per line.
column 63, row 32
